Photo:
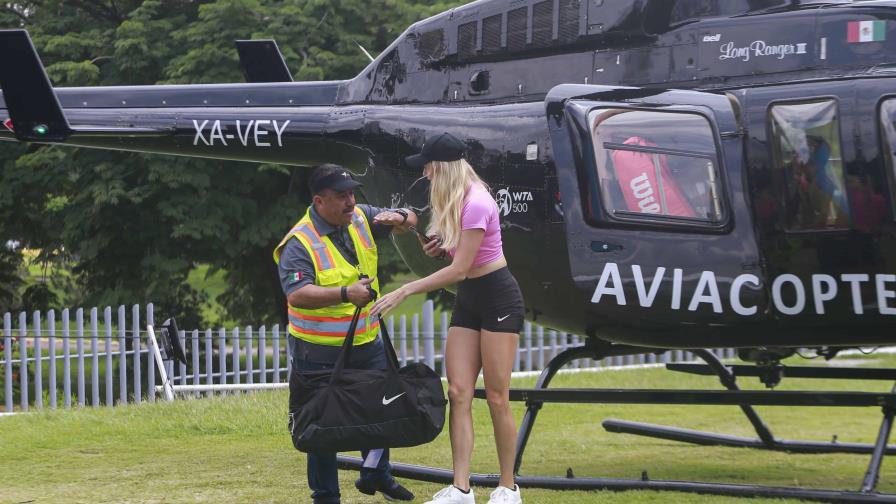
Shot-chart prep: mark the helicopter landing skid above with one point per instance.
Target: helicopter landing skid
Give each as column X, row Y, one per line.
column 570, row 482
column 745, row 399
column 765, row 439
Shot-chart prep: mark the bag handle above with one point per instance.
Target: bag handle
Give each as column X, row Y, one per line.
column 388, row 348
column 391, row 357
column 346, row 345
column 350, row 334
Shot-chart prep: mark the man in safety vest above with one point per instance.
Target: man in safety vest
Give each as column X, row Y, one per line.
column 328, row 266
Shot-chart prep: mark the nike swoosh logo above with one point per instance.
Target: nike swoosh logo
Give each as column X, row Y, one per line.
column 502, row 319
column 387, row 401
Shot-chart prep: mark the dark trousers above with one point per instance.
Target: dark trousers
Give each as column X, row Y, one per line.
column 323, row 478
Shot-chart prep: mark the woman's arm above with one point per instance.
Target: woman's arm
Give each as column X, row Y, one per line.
column 470, row 240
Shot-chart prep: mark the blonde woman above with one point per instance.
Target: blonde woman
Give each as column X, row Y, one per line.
column 488, row 311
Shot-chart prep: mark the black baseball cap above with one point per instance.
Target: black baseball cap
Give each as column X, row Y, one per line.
column 441, row 147
column 331, row 176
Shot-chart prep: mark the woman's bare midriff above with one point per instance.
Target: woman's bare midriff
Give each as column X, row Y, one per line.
column 485, row 269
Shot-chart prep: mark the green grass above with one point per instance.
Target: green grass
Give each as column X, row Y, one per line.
column 235, row 449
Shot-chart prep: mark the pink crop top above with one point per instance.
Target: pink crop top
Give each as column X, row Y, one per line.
column 481, row 212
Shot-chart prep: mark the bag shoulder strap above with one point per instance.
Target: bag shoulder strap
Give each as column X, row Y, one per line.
column 391, row 357
column 346, row 346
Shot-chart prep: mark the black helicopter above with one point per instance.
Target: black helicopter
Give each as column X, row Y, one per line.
column 681, row 174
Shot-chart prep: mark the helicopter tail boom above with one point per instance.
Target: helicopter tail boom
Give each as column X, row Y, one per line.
column 280, row 122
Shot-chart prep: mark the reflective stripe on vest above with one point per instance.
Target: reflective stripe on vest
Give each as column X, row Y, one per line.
column 358, row 224
column 318, row 247
column 331, row 327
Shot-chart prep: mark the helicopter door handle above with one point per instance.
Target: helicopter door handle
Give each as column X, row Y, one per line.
column 603, row 247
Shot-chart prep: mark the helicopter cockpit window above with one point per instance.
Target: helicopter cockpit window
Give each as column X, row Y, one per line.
column 805, row 143
column 656, row 164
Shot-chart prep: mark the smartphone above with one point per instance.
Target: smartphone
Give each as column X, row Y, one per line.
column 426, row 239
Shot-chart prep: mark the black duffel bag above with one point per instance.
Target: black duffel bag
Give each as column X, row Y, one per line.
column 359, row 409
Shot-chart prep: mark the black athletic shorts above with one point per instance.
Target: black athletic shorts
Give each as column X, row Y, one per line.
column 492, row 302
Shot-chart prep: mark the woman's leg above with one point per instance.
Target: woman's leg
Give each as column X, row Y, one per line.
column 498, row 352
column 462, row 364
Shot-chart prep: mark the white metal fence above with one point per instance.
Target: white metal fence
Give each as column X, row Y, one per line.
column 102, row 357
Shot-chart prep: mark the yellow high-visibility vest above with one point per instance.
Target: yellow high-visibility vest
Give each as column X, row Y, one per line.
column 328, row 326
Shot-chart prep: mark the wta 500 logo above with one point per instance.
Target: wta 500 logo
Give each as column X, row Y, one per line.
column 513, row 202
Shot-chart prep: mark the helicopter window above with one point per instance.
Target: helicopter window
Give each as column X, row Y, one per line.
column 655, row 164
column 888, row 121
column 807, row 163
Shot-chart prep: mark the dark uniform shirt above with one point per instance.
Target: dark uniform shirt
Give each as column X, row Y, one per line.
column 296, row 266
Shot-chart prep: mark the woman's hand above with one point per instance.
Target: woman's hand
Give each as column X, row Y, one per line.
column 432, row 247
column 389, row 301
column 389, row 218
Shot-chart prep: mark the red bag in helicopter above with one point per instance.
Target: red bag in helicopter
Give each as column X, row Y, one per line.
column 647, row 183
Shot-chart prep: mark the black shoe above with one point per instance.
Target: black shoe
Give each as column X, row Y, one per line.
column 392, row 492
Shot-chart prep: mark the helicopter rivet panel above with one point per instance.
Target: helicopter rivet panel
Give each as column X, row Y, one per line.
column 192, row 96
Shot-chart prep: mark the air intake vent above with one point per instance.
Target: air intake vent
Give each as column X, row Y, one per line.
column 542, row 23
column 431, row 45
column 517, row 23
column 491, row 34
column 569, row 20
column 466, row 40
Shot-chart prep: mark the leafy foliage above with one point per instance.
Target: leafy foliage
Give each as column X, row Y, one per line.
column 135, row 225
column 10, row 278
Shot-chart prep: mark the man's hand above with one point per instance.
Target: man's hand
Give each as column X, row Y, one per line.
column 400, row 219
column 358, row 293
column 389, row 218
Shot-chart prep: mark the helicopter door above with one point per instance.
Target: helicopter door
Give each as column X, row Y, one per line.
column 652, row 193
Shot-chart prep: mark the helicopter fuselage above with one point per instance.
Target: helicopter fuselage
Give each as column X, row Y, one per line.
column 665, row 178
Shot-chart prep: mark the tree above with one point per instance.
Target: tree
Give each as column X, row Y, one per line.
column 10, row 278
column 135, row 225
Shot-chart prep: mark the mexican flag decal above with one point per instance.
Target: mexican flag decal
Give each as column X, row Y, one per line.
column 866, row 31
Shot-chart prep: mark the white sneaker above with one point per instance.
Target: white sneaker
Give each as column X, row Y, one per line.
column 452, row 495
column 504, row 495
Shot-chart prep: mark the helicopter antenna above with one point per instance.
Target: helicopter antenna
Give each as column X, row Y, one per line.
column 363, row 50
